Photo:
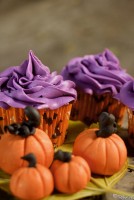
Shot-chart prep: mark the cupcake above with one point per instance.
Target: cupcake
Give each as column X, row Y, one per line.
column 31, row 83
column 98, row 79
column 126, row 96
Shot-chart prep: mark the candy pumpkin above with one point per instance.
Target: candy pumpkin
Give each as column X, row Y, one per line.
column 21, row 139
column 71, row 173
column 102, row 148
column 32, row 182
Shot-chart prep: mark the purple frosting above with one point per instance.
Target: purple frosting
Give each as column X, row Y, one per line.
column 31, row 83
column 99, row 74
column 126, row 94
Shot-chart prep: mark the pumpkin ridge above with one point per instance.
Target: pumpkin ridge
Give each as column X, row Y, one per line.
column 29, row 171
column 116, row 148
column 44, row 150
column 24, row 152
column 75, row 166
column 69, row 183
column 60, row 169
column 105, row 166
column 41, row 178
column 71, row 165
column 100, row 142
column 55, row 172
column 117, row 137
column 8, row 144
column 92, row 143
column 106, row 154
column 83, row 154
column 84, row 133
column 18, row 179
column 79, row 164
column 56, row 168
column 88, row 146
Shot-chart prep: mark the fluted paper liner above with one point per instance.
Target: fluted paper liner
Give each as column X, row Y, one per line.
column 88, row 108
column 130, row 126
column 53, row 122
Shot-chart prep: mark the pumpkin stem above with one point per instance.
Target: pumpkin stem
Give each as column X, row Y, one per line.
column 33, row 116
column 107, row 125
column 27, row 127
column 62, row 156
column 31, row 159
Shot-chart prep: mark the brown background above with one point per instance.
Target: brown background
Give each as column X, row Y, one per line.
column 57, row 30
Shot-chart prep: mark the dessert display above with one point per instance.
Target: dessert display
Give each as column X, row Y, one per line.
column 32, row 84
column 126, row 96
column 98, row 79
column 104, row 150
column 45, row 155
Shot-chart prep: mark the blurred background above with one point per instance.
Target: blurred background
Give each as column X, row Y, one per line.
column 58, row 30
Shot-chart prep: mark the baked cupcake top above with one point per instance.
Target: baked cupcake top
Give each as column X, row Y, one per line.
column 31, row 83
column 100, row 73
column 126, row 95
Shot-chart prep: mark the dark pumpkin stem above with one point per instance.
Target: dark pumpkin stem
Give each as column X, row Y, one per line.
column 31, row 159
column 27, row 127
column 62, row 156
column 33, row 116
column 107, row 125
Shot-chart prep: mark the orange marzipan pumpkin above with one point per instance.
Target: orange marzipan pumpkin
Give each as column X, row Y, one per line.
column 105, row 156
column 13, row 147
column 70, row 175
column 32, row 182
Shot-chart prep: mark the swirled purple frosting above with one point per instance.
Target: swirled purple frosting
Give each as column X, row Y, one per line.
column 126, row 94
column 31, row 83
column 99, row 74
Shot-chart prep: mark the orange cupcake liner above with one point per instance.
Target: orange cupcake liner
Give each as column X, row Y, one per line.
column 130, row 127
column 53, row 122
column 117, row 109
column 88, row 108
